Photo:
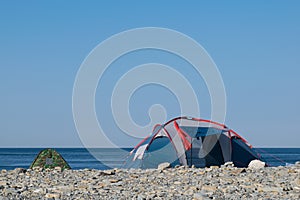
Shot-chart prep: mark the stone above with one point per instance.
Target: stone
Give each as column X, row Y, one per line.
column 256, row 164
column 114, row 180
column 163, row 166
column 297, row 182
column 201, row 172
column 39, row 190
column 141, row 197
column 269, row 189
column 58, row 169
column 209, row 188
column 290, row 171
column 296, row 188
column 174, row 183
column 52, row 196
column 3, row 183
column 228, row 164
column 198, row 196
column 107, row 172
column 134, row 176
column 8, row 191
column 208, row 169
column 177, row 183
column 238, row 171
column 36, row 168
column 188, row 192
column 20, row 170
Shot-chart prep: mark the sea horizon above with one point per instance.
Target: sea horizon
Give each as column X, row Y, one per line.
column 107, row 158
column 128, row 147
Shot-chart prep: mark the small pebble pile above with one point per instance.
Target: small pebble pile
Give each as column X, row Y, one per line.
column 225, row 182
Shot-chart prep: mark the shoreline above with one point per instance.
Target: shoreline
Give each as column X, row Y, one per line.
column 225, row 182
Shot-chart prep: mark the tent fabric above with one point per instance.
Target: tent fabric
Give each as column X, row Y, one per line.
column 191, row 141
column 160, row 146
column 49, row 159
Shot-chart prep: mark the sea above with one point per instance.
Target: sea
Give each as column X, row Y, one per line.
column 107, row 158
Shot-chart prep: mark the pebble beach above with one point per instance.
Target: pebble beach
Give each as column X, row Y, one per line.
column 225, row 182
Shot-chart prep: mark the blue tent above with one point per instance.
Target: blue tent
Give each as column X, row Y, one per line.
column 190, row 141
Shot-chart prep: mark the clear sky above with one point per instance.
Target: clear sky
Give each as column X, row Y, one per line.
column 255, row 45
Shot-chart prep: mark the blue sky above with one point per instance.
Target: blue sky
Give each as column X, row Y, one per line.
column 255, row 45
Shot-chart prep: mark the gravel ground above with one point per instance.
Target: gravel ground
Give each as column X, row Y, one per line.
column 226, row 182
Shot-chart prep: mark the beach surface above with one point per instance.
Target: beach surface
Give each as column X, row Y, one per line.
column 225, row 182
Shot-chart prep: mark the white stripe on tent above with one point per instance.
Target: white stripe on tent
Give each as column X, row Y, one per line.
column 140, row 152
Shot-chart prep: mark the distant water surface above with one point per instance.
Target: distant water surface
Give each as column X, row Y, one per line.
column 80, row 158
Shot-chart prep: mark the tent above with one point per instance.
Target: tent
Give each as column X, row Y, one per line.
column 49, row 158
column 191, row 141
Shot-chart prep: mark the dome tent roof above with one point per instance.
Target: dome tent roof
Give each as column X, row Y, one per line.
column 49, row 159
column 191, row 141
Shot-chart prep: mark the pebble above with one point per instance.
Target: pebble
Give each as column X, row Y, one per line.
column 177, row 183
column 163, row 166
column 3, row 183
column 256, row 164
column 198, row 196
column 52, row 196
column 58, row 169
column 227, row 182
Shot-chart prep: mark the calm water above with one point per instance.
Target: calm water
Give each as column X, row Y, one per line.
column 79, row 158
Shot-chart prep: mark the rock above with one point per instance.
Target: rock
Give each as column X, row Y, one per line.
column 198, row 196
column 208, row 169
column 269, row 189
column 52, row 196
column 163, row 166
column 238, row 171
column 8, row 191
column 141, row 197
column 174, row 183
column 228, row 164
column 201, row 172
column 209, row 188
column 188, row 192
column 58, row 169
column 114, row 180
column 177, row 183
column 39, row 190
column 17, row 185
column 290, row 171
column 106, row 172
column 151, row 196
column 297, row 182
column 36, row 168
column 20, row 170
column 3, row 183
column 256, row 164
